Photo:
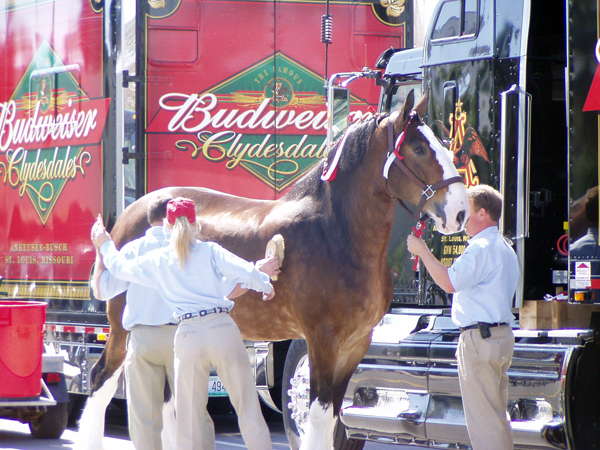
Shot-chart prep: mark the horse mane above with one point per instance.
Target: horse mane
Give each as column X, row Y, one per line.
column 355, row 149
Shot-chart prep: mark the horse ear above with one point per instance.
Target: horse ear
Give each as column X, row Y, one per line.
column 408, row 106
column 422, row 105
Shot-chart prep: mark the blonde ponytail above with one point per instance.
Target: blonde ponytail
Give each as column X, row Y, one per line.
column 183, row 235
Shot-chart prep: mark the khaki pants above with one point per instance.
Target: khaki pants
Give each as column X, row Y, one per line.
column 215, row 339
column 149, row 363
column 482, row 366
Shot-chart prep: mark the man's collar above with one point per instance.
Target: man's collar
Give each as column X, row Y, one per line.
column 155, row 231
column 486, row 231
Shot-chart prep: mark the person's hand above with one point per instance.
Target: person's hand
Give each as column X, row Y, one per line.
column 416, row 245
column 267, row 297
column 99, row 234
column 270, row 266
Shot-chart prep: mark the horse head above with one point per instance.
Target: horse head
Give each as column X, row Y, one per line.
column 419, row 169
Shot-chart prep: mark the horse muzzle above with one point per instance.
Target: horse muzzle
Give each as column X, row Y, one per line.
column 452, row 215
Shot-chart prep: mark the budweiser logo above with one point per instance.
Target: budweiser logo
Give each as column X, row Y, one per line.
column 31, row 130
column 44, row 129
column 195, row 113
column 269, row 120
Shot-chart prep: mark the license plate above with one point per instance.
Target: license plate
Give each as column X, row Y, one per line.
column 216, row 387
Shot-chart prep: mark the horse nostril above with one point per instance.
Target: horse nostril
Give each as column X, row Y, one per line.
column 460, row 217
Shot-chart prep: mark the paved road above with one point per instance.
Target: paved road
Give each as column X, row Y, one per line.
column 16, row 436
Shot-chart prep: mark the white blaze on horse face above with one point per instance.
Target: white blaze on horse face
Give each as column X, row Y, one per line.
column 456, row 209
column 321, row 424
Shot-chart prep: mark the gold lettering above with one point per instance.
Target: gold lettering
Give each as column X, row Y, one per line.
column 270, row 151
column 18, row 172
column 230, row 146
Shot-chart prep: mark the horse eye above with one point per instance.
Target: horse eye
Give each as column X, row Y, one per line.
column 419, row 150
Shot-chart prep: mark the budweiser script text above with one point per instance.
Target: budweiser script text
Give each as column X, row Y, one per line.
column 48, row 129
column 42, row 166
column 199, row 114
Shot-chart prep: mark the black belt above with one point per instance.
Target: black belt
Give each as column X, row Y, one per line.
column 476, row 325
column 202, row 313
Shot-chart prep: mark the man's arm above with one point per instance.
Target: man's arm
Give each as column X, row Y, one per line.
column 436, row 269
column 105, row 285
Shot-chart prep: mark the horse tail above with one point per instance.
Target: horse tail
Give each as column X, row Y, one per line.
column 113, row 354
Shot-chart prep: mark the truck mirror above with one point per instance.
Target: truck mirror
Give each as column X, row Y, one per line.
column 338, row 109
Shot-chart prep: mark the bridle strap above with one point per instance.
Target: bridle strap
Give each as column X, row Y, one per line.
column 427, row 190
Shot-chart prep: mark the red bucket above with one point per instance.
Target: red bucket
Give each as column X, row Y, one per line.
column 21, row 347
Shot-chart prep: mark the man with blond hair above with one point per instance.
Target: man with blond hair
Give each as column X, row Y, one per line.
column 484, row 279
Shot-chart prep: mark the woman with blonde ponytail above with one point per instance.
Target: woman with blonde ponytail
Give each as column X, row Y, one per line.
column 195, row 278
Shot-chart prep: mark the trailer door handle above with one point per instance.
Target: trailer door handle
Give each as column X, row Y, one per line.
column 131, row 79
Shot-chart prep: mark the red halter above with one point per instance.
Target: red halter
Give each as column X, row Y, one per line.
column 427, row 190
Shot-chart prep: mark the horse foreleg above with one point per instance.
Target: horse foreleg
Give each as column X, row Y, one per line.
column 350, row 356
column 331, row 368
column 322, row 354
column 114, row 352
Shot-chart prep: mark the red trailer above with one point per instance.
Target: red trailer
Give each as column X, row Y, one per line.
column 102, row 101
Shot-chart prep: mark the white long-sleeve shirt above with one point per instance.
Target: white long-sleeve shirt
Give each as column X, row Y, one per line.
column 199, row 285
column 144, row 305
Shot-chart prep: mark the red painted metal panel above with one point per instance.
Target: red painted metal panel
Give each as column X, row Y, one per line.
column 209, row 125
column 52, row 114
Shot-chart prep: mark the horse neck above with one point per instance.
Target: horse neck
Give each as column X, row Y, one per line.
column 361, row 204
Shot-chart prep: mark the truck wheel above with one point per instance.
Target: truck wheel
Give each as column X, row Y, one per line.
column 295, row 392
column 341, row 442
column 52, row 423
column 75, row 409
column 296, row 398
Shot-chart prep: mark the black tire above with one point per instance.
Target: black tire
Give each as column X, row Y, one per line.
column 341, row 442
column 52, row 423
column 219, row 406
column 76, row 404
column 296, row 355
column 269, row 413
